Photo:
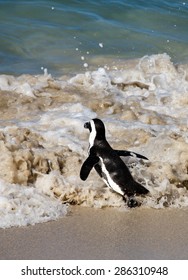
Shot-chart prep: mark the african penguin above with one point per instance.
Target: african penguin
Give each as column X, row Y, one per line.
column 109, row 165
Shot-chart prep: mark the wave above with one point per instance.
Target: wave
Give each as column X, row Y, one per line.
column 143, row 104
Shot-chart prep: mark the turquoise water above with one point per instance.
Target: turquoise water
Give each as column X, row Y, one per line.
column 67, row 36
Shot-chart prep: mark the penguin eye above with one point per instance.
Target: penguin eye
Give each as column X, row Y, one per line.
column 88, row 126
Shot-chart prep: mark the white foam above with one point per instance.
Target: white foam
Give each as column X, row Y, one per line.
column 21, row 206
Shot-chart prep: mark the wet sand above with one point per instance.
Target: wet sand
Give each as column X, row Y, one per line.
column 88, row 233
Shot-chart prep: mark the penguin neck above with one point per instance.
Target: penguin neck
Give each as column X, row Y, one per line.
column 100, row 143
column 95, row 141
column 97, row 136
column 92, row 137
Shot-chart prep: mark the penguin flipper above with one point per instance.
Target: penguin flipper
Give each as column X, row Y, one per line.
column 87, row 166
column 123, row 153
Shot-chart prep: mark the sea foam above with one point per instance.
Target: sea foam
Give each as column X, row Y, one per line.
column 43, row 143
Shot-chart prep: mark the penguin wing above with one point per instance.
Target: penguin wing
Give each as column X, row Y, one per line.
column 123, row 153
column 87, row 166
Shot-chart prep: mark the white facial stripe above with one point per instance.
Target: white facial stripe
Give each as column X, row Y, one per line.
column 108, row 181
column 92, row 135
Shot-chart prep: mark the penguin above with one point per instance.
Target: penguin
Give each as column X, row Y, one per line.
column 109, row 165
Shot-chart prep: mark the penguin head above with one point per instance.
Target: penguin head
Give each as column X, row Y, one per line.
column 88, row 126
column 97, row 130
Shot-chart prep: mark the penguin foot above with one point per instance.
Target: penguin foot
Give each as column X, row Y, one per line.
column 132, row 202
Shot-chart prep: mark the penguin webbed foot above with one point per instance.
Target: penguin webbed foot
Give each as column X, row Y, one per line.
column 131, row 201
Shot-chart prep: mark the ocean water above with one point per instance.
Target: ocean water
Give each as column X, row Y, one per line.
column 63, row 63
column 65, row 36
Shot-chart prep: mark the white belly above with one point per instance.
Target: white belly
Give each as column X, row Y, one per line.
column 108, row 180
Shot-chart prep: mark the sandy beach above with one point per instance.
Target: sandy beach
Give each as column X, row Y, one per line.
column 88, row 233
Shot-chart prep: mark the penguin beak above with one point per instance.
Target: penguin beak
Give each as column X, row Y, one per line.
column 88, row 126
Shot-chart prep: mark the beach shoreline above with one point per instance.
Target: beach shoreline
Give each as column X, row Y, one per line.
column 87, row 233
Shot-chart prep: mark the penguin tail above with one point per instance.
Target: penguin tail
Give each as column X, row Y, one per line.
column 137, row 188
